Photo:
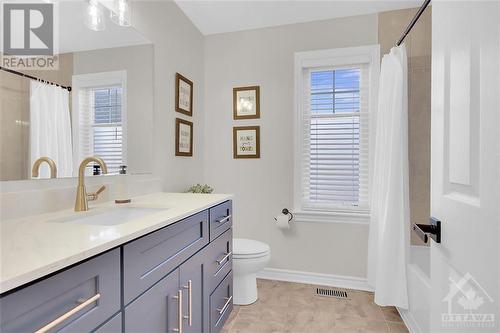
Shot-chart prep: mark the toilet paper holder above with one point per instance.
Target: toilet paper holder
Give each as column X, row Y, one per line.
column 285, row 211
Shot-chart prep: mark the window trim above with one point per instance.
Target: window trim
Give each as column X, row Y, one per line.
column 369, row 54
column 95, row 80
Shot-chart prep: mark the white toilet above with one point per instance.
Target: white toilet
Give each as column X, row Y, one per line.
column 249, row 257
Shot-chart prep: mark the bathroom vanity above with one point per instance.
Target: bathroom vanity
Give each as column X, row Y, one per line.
column 167, row 271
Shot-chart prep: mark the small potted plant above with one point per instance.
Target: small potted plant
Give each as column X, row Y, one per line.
column 198, row 188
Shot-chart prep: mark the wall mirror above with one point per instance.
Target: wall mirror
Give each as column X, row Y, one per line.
column 107, row 112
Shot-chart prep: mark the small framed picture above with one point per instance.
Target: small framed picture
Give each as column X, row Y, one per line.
column 246, row 142
column 183, row 137
column 183, row 95
column 246, row 103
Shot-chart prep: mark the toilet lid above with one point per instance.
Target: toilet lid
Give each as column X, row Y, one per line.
column 248, row 247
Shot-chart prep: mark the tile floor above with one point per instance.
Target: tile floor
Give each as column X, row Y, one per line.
column 293, row 308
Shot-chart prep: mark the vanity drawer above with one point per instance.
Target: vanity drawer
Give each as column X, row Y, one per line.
column 221, row 304
column 220, row 219
column 79, row 299
column 219, row 258
column 150, row 258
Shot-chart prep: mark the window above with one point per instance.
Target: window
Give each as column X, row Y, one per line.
column 107, row 126
column 332, row 141
column 99, row 99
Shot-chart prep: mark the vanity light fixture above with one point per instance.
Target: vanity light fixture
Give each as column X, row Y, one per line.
column 94, row 16
column 121, row 13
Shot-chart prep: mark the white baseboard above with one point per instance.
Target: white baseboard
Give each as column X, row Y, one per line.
column 409, row 321
column 339, row 281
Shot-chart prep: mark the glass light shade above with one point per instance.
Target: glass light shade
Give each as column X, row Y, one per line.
column 122, row 13
column 94, row 16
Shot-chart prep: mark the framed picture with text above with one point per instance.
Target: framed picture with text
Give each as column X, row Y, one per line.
column 246, row 103
column 183, row 137
column 246, row 142
column 183, row 95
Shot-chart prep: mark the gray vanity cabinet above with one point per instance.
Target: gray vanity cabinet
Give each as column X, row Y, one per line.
column 157, row 310
column 175, row 279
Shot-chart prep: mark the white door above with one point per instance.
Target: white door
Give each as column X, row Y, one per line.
column 465, row 192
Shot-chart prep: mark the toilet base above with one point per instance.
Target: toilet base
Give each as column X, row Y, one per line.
column 244, row 289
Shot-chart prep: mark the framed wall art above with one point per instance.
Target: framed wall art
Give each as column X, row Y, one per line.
column 246, row 142
column 246, row 103
column 183, row 95
column 183, row 137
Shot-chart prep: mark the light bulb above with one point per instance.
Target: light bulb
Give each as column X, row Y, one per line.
column 122, row 13
column 94, row 16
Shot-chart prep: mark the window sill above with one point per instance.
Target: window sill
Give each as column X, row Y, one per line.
column 340, row 216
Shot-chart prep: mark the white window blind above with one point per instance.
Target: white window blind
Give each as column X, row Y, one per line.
column 101, row 125
column 335, row 138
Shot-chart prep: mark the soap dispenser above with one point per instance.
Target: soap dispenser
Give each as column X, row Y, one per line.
column 121, row 186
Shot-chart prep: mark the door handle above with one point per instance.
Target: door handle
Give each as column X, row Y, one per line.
column 180, row 317
column 189, row 317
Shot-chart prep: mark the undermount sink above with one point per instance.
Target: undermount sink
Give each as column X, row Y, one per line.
column 111, row 216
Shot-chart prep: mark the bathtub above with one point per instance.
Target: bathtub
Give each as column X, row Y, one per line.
column 417, row 317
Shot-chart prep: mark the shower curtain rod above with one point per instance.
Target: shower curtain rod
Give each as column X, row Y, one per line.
column 33, row 78
column 413, row 22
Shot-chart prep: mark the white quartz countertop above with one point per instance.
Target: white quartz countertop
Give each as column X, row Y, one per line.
column 34, row 246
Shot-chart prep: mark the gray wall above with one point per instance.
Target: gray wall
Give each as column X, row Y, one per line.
column 178, row 48
column 264, row 186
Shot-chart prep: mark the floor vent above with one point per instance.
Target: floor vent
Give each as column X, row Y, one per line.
column 331, row 293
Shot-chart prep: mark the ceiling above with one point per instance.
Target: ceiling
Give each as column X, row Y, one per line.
column 74, row 36
column 212, row 17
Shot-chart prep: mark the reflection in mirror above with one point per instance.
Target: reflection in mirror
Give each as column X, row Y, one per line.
column 99, row 102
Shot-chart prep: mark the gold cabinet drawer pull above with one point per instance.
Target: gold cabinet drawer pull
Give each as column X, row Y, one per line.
column 228, row 301
column 68, row 314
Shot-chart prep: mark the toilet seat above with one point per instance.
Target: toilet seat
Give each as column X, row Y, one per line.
column 249, row 249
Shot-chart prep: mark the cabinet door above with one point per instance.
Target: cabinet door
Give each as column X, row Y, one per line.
column 193, row 281
column 157, row 310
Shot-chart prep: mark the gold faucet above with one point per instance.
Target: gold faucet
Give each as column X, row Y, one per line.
column 36, row 167
column 82, row 198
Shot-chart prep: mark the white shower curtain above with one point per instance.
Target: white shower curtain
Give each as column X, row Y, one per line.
column 50, row 128
column 388, row 243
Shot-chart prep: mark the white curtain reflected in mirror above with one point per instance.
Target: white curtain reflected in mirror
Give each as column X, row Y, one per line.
column 50, row 128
